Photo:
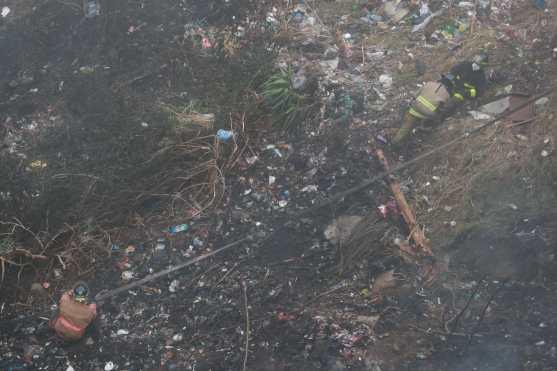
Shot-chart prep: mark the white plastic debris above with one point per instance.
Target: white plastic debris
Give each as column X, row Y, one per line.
column 477, row 115
column 513, row 206
column 310, row 188
column 496, row 107
column 426, row 21
column 109, row 366
column 122, row 332
column 144, row 124
column 127, row 275
column 283, row 203
column 424, row 9
column 5, row 11
column 178, row 337
column 386, row 81
column 272, row 180
column 544, row 153
column 542, row 101
column 452, row 223
column 174, row 286
column 466, row 5
column 70, row 368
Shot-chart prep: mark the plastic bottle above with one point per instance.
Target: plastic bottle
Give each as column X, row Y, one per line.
column 178, row 228
column 225, row 135
column 91, row 8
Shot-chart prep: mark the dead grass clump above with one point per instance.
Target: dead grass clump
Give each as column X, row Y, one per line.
column 491, row 179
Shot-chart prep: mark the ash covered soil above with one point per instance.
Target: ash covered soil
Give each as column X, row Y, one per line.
column 89, row 98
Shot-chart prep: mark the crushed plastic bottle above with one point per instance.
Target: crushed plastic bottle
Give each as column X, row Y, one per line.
column 178, row 228
column 225, row 135
column 91, row 8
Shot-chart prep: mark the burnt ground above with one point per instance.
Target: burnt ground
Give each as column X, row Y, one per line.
column 492, row 308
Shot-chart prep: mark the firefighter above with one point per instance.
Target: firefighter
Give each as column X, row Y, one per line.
column 466, row 80
column 75, row 314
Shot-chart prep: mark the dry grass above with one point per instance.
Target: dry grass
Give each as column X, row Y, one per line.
column 489, row 180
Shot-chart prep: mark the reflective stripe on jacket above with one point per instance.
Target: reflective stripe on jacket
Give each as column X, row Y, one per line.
column 427, row 103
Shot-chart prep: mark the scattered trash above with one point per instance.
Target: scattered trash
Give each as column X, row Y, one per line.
column 372, row 18
column 127, row 275
column 197, row 243
column 272, row 180
column 282, row 316
column 386, row 81
column 174, row 286
column 423, row 22
column 206, row 43
column 545, row 153
column 310, row 188
column 299, row 80
column 70, row 368
column 513, row 206
column 542, row 101
column 122, row 332
column 225, row 135
column 395, row 11
column 161, row 244
column 480, row 116
column 496, row 107
column 483, row 10
column 177, row 338
column 91, row 8
column 109, row 366
column 454, row 30
column 5, row 11
column 87, row 70
column 38, row 164
column 466, row 5
column 178, row 228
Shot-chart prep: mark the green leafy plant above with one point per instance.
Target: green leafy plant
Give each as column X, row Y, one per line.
column 6, row 245
column 286, row 105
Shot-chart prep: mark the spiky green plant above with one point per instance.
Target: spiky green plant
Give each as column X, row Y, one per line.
column 286, row 105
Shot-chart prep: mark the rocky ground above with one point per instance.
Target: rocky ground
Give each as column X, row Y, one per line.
column 277, row 301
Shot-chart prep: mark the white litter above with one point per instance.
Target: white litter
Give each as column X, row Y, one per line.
column 480, row 116
column 386, row 81
column 109, row 366
column 5, row 11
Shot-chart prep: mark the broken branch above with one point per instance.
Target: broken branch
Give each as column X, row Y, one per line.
column 407, row 213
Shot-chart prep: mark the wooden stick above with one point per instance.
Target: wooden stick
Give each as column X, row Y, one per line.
column 407, row 213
